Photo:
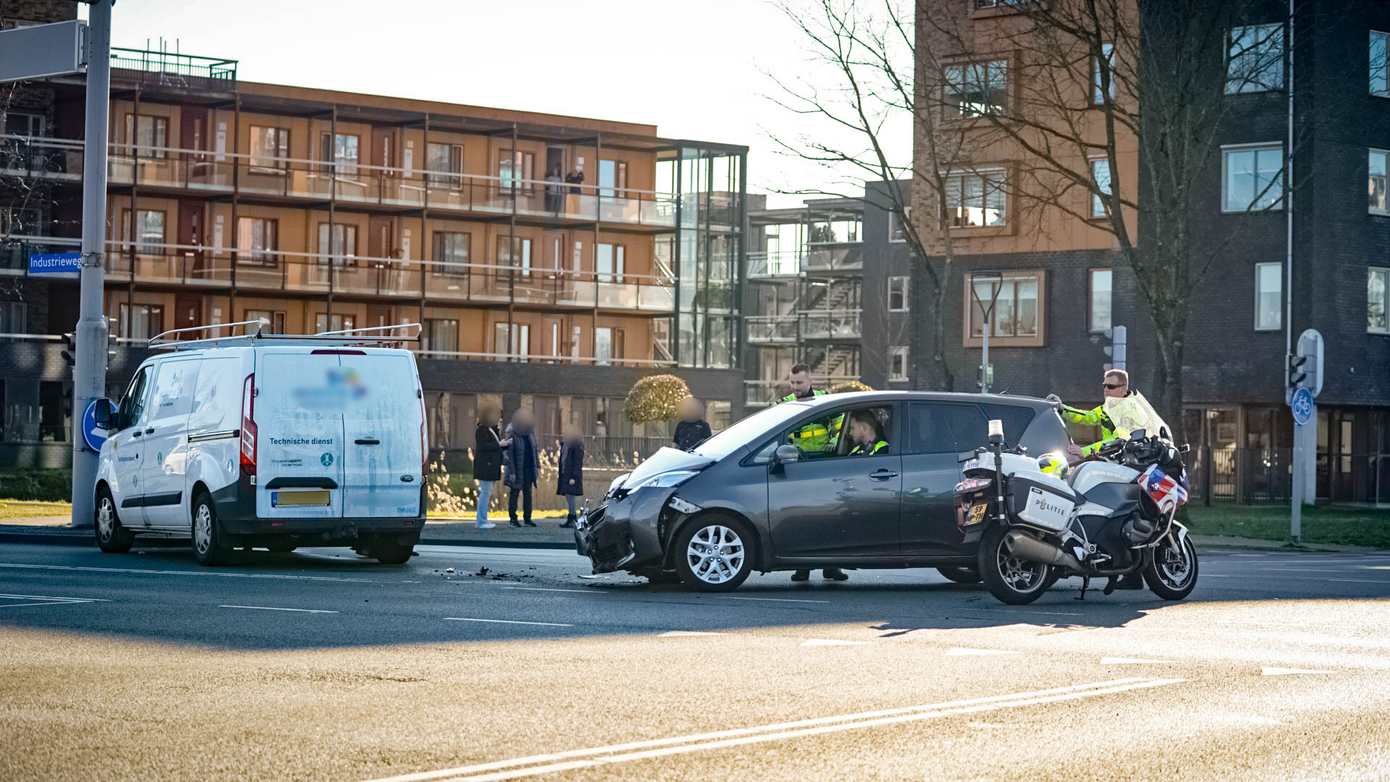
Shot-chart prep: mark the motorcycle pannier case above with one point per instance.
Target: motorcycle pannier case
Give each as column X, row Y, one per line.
column 1040, row 502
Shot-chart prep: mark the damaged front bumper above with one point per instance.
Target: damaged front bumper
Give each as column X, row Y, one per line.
column 629, row 533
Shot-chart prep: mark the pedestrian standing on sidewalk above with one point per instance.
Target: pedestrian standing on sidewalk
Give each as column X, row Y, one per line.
column 487, row 460
column 570, row 484
column 522, row 465
column 692, row 429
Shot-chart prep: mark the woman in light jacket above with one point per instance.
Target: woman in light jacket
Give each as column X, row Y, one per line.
column 487, row 460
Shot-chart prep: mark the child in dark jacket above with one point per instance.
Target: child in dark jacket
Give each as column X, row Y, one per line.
column 570, row 483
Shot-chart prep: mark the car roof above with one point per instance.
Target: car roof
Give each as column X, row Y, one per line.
column 926, row 396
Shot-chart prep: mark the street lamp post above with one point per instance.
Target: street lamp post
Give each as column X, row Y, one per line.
column 985, row 285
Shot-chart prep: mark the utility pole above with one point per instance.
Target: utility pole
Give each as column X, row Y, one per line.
column 985, row 285
column 89, row 375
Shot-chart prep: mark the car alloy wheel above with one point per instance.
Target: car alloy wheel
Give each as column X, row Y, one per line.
column 106, row 518
column 112, row 538
column 715, row 554
column 202, row 529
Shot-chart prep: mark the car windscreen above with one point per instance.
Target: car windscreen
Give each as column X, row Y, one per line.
column 749, row 429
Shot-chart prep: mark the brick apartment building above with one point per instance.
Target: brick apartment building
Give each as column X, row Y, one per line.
column 316, row 210
column 1066, row 284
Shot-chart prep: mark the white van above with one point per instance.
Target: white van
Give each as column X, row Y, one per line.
column 271, row 441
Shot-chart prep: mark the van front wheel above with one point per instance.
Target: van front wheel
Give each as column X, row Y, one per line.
column 208, row 545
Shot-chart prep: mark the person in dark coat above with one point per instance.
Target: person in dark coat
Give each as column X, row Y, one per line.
column 570, row 484
column 522, row 466
column 487, row 460
column 692, row 429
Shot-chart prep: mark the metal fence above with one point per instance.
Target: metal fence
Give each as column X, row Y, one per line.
column 1265, row 475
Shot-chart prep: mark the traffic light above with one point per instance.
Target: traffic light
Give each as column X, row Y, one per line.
column 1298, row 371
column 70, row 348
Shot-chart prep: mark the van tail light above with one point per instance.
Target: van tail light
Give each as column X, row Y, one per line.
column 248, row 425
column 424, row 445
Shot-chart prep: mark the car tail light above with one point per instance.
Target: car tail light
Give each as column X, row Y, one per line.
column 248, row 425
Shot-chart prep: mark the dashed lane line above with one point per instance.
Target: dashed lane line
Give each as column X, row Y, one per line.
column 47, row 600
column 778, row 600
column 277, row 608
column 504, row 621
column 195, row 573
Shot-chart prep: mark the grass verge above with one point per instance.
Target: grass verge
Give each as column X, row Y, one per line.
column 1326, row 525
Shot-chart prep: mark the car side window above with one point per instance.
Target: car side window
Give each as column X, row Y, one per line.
column 817, row 438
column 1047, row 433
column 944, row 427
column 172, row 396
column 845, row 432
column 133, row 403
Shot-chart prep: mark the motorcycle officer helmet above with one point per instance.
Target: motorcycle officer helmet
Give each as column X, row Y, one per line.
column 1054, row 463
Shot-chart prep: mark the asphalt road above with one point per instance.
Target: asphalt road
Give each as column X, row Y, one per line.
column 507, row 663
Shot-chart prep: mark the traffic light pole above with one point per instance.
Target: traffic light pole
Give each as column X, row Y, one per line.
column 89, row 374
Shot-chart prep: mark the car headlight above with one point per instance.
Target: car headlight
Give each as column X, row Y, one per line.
column 618, row 481
column 665, row 480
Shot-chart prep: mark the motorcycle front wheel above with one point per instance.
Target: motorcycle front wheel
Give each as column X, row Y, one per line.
column 1172, row 570
column 1008, row 578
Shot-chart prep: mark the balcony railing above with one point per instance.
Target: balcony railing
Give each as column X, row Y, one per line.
column 764, row 265
column 174, row 64
column 313, row 181
column 835, row 258
column 771, row 329
column 830, row 324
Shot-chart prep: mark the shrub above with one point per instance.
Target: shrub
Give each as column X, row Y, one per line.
column 655, row 398
column 45, row 485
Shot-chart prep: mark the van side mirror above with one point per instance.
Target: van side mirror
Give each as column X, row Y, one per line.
column 785, row 454
column 104, row 414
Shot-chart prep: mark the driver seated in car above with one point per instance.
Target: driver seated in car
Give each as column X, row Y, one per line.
column 866, row 434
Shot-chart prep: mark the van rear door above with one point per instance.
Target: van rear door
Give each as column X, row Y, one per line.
column 384, row 453
column 300, row 395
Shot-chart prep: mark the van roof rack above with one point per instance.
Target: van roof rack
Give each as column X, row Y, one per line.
column 374, row 336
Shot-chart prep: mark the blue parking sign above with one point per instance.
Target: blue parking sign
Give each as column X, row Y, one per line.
column 1301, row 403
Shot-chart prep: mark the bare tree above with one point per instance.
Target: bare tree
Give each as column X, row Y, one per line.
column 854, row 106
column 1086, row 86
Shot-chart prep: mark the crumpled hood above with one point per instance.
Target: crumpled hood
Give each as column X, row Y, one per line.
column 666, row 460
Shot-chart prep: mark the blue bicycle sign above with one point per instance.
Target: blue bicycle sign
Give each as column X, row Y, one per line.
column 1301, row 403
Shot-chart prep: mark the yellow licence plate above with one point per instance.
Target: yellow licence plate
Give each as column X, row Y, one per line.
column 977, row 512
column 281, row 499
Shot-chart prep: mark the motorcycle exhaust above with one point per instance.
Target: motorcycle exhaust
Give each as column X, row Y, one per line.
column 1030, row 549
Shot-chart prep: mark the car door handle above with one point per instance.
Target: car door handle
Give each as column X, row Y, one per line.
column 367, row 441
column 882, row 474
column 150, row 430
column 136, row 433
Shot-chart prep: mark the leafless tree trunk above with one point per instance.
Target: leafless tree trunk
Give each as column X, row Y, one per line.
column 861, row 92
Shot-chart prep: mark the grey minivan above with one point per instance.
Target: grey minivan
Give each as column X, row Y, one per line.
column 755, row 497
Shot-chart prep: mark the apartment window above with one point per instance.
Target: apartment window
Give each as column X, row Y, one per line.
column 452, row 250
column 603, row 346
column 1269, row 296
column 1255, row 59
column 896, row 231
column 897, row 294
column 18, row 123
column 1380, row 64
column 55, row 419
column 1100, row 305
column 343, row 250
column 1099, row 95
column 1252, row 178
column 270, row 148
column 977, row 88
column 325, row 322
column 897, row 364
column 836, row 231
column 150, row 134
column 149, row 231
column 274, row 320
column 612, row 177
column 1100, row 174
column 1017, row 308
column 1375, row 185
column 14, row 319
column 257, row 240
column 445, row 163
column 1377, row 289
column 512, row 339
column 341, row 150
column 442, row 334
column 610, row 262
column 515, row 252
column 141, row 321
column 516, row 169
column 976, row 199
column 18, row 222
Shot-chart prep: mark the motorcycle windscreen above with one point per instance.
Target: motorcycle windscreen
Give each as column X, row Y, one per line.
column 299, row 432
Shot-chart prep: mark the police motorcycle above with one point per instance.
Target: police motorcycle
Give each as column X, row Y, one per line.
column 1105, row 518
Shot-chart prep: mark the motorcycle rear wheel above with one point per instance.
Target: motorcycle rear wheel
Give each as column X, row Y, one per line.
column 1011, row 580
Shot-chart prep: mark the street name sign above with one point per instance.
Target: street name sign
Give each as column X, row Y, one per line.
column 43, row 50
column 55, row 263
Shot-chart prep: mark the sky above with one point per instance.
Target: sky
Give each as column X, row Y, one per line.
column 696, row 69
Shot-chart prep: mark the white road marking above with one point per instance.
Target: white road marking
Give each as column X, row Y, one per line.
column 275, row 608
column 1132, row 661
column 1355, row 581
column 1274, row 671
column 685, row 634
column 47, row 600
column 569, row 760
column 831, row 642
column 778, row 600
column 548, row 589
column 964, row 652
column 200, row 573
column 504, row 621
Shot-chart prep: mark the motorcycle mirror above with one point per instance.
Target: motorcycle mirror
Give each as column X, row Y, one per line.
column 996, row 431
column 1138, row 434
column 965, row 456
